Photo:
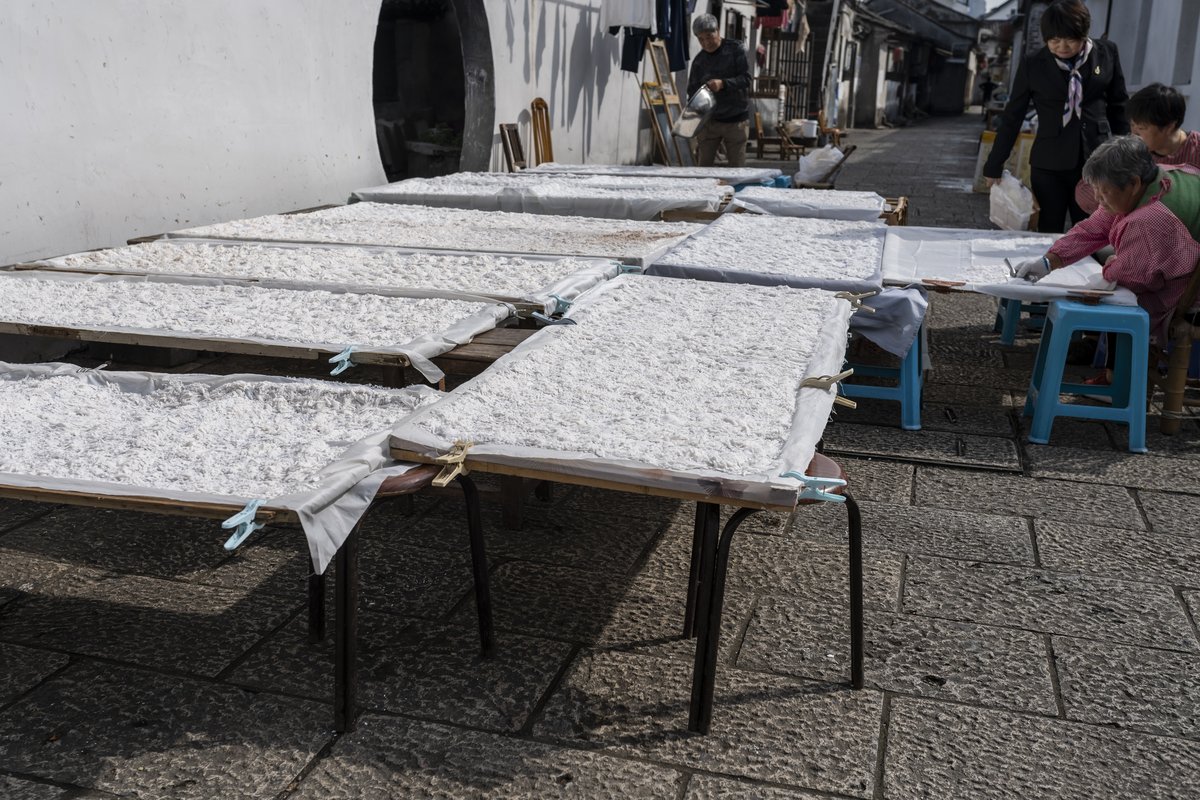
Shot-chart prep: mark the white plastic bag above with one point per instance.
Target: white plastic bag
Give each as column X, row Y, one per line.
column 1011, row 204
column 816, row 165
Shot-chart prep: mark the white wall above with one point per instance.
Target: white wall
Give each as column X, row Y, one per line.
column 127, row 117
column 1157, row 41
column 556, row 50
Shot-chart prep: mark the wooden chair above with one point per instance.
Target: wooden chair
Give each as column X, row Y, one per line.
column 1183, row 330
column 828, row 180
column 784, row 142
column 834, row 134
column 510, row 143
column 543, row 151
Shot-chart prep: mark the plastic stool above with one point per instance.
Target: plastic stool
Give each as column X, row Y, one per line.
column 1008, row 317
column 910, row 379
column 1064, row 318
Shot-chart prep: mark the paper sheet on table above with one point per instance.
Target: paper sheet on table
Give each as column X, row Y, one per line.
column 328, row 509
column 1073, row 281
column 956, row 255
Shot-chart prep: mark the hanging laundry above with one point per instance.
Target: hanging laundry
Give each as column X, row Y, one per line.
column 627, row 13
column 675, row 31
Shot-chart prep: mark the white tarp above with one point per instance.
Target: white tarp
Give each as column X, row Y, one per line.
column 673, row 385
column 45, row 449
column 814, row 203
column 838, row 255
column 458, row 230
column 213, row 311
column 973, row 260
column 533, row 280
column 604, row 196
column 733, row 176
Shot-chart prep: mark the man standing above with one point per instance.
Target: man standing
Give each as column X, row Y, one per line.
column 722, row 67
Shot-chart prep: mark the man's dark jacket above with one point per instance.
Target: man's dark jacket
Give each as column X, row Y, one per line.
column 1040, row 80
column 729, row 64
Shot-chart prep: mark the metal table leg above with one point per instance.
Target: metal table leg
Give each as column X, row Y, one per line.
column 703, row 512
column 712, row 597
column 316, row 609
column 479, row 565
column 856, row 592
column 345, row 672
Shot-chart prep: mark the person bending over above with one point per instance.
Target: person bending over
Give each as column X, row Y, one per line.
column 721, row 65
column 1149, row 214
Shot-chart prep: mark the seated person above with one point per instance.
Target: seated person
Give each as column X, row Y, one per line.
column 1156, row 117
column 1149, row 214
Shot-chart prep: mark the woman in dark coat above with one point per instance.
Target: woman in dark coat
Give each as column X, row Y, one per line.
column 1077, row 87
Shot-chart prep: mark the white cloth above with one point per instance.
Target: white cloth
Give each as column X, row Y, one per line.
column 628, row 13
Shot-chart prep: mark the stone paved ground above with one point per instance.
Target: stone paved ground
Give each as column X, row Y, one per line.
column 1031, row 621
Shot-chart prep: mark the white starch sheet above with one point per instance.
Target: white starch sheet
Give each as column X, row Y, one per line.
column 422, row 227
column 812, row 203
column 605, row 196
column 679, row 385
column 974, row 260
column 212, row 312
column 838, row 255
column 316, row 448
column 732, row 176
column 531, row 279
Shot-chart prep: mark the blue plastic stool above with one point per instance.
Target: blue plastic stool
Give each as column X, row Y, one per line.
column 1131, row 324
column 910, row 380
column 1008, row 317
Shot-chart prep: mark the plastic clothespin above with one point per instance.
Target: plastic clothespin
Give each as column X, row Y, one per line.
column 825, row 381
column 342, row 360
column 542, row 318
column 817, row 488
column 856, row 299
column 453, row 464
column 563, row 304
column 629, row 268
column 244, row 523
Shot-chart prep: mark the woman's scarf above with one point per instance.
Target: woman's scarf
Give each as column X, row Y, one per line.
column 1074, row 106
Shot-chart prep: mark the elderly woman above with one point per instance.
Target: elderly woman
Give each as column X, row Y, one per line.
column 1076, row 86
column 1149, row 214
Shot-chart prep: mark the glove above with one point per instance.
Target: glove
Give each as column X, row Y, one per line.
column 1033, row 269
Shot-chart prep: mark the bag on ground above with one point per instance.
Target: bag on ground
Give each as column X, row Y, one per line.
column 1011, row 204
column 816, row 165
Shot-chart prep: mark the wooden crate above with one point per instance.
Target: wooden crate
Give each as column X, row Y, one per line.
column 897, row 213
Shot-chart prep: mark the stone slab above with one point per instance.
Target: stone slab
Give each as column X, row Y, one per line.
column 938, row 750
column 949, row 417
column 879, row 480
column 17, row 789
column 1014, row 494
column 956, row 395
column 710, row 787
column 22, row 574
column 785, row 566
column 400, row 758
column 416, row 667
column 1157, row 691
column 1185, row 444
column 124, row 541
column 1050, row 602
column 808, row 735
column 1134, row 555
column 145, row 621
column 138, row 733
column 22, row 668
column 931, row 531
column 1074, row 433
column 910, row 655
column 929, row 446
column 18, row 512
column 1119, row 469
column 274, row 562
column 601, row 503
column 1172, row 513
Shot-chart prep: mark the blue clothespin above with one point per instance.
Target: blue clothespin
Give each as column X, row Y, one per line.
column 815, row 488
column 244, row 523
column 542, row 318
column 563, row 304
column 628, row 268
column 342, row 360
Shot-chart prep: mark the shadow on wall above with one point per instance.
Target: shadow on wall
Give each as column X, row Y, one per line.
column 580, row 63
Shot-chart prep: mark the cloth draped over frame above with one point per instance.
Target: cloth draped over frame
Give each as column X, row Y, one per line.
column 670, row 25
